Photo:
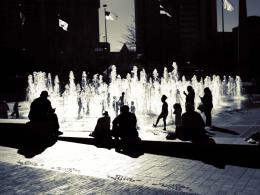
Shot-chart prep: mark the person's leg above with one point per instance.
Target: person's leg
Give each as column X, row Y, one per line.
column 157, row 121
column 164, row 122
column 208, row 117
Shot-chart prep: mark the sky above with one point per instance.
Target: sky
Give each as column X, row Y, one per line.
column 125, row 11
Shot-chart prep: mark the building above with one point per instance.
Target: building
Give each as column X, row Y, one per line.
column 247, row 35
column 189, row 35
column 30, row 32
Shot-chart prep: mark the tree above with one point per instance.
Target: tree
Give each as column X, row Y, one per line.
column 130, row 37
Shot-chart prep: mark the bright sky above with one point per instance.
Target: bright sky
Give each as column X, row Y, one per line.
column 125, row 11
column 116, row 29
column 231, row 18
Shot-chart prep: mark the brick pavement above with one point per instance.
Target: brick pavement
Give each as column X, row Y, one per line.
column 152, row 172
column 17, row 179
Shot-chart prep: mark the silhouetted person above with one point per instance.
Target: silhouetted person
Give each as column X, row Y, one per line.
column 122, row 99
column 124, row 125
column 192, row 124
column 207, row 105
column 102, row 129
column 115, row 105
column 42, row 113
column 3, row 109
column 79, row 107
column 192, row 127
column 190, row 96
column 16, row 110
column 164, row 112
column 177, row 112
column 132, row 107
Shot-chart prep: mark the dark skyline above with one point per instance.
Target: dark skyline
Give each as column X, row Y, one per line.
column 125, row 11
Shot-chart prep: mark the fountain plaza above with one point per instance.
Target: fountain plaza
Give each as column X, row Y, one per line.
column 97, row 96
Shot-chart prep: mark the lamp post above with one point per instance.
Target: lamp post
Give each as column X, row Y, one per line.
column 105, row 5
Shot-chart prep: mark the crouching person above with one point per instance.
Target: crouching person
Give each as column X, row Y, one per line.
column 102, row 129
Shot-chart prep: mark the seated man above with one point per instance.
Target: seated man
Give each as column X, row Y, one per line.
column 192, row 127
column 124, row 125
column 43, row 115
column 102, row 129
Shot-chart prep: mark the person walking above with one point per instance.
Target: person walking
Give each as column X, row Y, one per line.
column 164, row 112
column 16, row 110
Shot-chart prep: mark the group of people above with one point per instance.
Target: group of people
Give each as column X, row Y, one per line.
column 189, row 125
column 125, row 124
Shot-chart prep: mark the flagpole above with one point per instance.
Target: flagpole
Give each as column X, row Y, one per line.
column 223, row 25
column 105, row 21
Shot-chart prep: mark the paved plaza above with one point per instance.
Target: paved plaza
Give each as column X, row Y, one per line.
column 74, row 164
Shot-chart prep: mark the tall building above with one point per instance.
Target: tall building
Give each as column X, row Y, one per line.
column 187, row 34
column 30, row 29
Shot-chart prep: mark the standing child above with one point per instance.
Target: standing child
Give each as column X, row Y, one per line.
column 164, row 112
column 132, row 108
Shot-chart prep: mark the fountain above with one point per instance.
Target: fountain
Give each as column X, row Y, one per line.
column 96, row 95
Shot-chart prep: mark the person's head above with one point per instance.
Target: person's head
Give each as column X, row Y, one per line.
column 44, row 94
column 105, row 113
column 189, row 89
column 124, row 109
column 177, row 106
column 123, row 93
column 177, row 91
column 132, row 103
column 189, row 107
column 207, row 90
column 163, row 98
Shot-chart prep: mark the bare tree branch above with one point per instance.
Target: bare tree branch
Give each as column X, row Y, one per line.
column 130, row 37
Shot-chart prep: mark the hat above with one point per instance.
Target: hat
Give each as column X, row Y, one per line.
column 44, row 94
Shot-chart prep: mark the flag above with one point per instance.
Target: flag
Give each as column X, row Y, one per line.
column 227, row 5
column 110, row 16
column 164, row 12
column 64, row 25
column 22, row 18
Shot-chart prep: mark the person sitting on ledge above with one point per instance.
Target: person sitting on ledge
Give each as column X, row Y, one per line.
column 124, row 125
column 192, row 127
column 102, row 129
column 42, row 113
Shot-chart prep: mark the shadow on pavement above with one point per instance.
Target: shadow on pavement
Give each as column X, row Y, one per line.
column 29, row 143
column 218, row 155
column 222, row 130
